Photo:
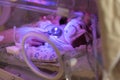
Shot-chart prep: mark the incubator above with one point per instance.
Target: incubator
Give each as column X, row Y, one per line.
column 35, row 45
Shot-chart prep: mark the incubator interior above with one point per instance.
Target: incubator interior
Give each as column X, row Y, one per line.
column 50, row 40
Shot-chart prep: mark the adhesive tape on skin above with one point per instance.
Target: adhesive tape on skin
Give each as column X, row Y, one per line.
column 1, row 38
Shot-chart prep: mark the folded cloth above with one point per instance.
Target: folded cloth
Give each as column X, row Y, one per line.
column 73, row 29
column 44, row 52
column 60, row 43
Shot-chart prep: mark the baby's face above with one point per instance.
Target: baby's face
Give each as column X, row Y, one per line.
column 55, row 20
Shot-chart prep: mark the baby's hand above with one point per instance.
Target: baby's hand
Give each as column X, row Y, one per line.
column 35, row 42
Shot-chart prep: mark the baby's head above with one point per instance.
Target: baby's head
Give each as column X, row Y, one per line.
column 63, row 20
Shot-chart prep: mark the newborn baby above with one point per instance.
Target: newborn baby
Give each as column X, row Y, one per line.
column 46, row 52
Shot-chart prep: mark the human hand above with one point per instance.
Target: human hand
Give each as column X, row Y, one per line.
column 35, row 42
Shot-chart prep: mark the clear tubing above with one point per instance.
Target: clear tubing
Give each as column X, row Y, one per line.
column 32, row 66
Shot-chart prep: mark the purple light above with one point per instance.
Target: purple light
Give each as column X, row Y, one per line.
column 43, row 2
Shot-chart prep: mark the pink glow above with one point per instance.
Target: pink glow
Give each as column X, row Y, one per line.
column 43, row 2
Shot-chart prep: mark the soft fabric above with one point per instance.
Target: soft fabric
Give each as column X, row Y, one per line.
column 45, row 25
column 72, row 29
column 20, row 32
column 44, row 52
column 61, row 44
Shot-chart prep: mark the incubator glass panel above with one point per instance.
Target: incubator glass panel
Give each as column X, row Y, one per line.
column 50, row 39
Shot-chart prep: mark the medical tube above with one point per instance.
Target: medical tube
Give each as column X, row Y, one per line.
column 14, row 29
column 32, row 66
